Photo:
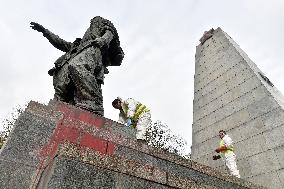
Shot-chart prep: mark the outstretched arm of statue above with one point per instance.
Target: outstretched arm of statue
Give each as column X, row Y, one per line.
column 105, row 39
column 55, row 40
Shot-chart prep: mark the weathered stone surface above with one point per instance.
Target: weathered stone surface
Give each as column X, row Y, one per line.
column 74, row 174
column 60, row 146
column 270, row 179
column 231, row 94
column 280, row 155
column 29, row 133
column 15, row 174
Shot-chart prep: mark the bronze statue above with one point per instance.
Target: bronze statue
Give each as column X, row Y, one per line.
column 79, row 73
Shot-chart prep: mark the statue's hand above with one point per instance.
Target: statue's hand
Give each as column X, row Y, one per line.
column 37, row 27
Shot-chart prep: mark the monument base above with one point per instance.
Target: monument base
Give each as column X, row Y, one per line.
column 61, row 146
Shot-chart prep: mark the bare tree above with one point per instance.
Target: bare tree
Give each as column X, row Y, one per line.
column 8, row 123
column 160, row 136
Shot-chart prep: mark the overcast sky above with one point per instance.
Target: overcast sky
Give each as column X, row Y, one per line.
column 158, row 37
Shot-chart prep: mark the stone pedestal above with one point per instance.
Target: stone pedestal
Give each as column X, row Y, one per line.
column 60, row 146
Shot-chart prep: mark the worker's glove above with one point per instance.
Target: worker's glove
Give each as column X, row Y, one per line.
column 128, row 122
column 216, row 157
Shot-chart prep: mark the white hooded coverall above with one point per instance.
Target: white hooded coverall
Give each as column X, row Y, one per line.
column 131, row 110
column 229, row 156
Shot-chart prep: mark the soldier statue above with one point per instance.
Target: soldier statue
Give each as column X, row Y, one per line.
column 79, row 73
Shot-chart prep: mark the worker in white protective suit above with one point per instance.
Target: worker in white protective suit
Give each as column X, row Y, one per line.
column 227, row 153
column 133, row 114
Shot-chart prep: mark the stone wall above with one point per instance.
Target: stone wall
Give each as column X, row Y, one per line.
column 60, row 146
column 232, row 94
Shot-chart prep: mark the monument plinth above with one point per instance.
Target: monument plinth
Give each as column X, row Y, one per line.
column 61, row 146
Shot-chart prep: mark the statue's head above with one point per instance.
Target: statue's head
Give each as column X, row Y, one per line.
column 115, row 52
